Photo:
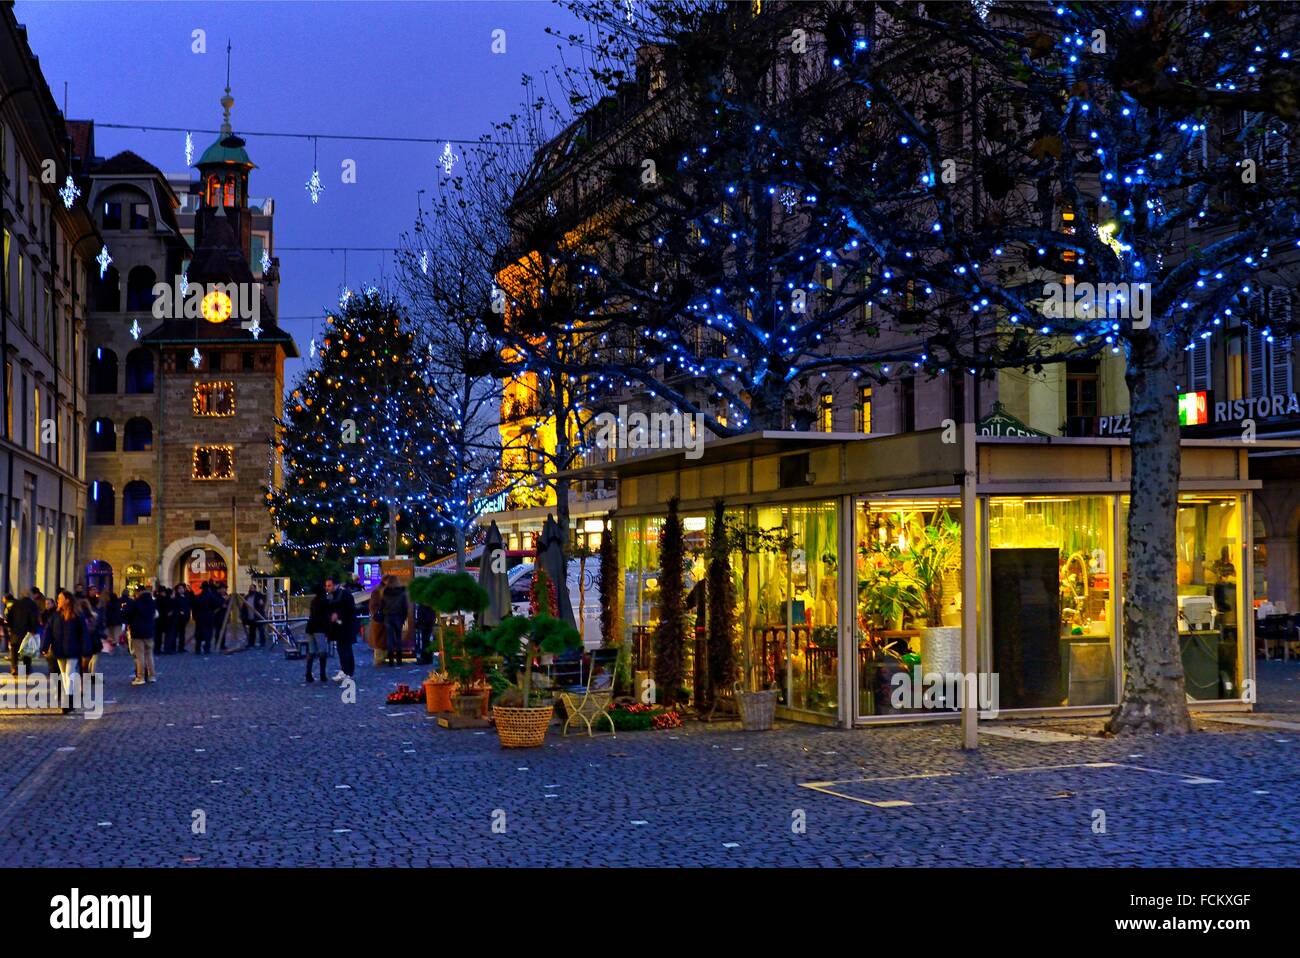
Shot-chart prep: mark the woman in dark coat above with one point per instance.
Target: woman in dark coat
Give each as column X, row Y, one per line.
column 66, row 639
column 318, row 627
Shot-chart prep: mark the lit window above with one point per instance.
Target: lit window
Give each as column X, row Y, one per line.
column 214, row 462
column 826, row 412
column 214, row 399
column 864, row 410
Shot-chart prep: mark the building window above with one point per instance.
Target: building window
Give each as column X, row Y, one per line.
column 249, row 365
column 139, row 289
column 826, row 411
column 214, row 190
column 108, row 291
column 103, row 371
column 102, row 504
column 102, row 436
column 864, row 410
column 137, row 502
column 229, row 198
column 139, row 371
column 214, row 399
column 907, row 403
column 139, row 216
column 1200, row 363
column 1081, row 389
column 214, row 462
column 137, row 436
column 112, row 218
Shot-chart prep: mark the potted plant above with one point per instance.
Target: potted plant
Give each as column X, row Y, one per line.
column 935, row 552
column 888, row 592
column 464, row 666
column 446, row 594
column 521, row 721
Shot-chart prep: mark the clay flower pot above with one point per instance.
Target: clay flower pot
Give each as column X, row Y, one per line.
column 437, row 696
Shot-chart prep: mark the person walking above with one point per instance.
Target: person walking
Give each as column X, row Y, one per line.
column 24, row 619
column 182, row 605
column 112, row 606
column 343, row 626
column 162, row 601
column 375, row 625
column 204, row 618
column 318, row 626
column 253, row 614
column 140, row 619
column 94, row 620
column 396, row 607
column 65, row 641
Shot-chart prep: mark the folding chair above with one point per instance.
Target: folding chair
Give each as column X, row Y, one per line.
column 591, row 702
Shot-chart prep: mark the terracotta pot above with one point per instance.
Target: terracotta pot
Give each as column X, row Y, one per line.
column 437, row 696
column 468, row 706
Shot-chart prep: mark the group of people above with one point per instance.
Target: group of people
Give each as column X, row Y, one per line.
column 80, row 625
column 332, row 616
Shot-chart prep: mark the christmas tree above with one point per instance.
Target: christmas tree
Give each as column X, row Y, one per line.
column 356, row 438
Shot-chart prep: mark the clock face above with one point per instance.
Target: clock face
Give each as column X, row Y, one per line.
column 215, row 306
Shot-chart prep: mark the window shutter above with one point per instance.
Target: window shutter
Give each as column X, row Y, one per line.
column 1200, row 361
column 1279, row 319
column 1256, row 347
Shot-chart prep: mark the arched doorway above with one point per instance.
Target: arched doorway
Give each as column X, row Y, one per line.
column 198, row 565
column 99, row 576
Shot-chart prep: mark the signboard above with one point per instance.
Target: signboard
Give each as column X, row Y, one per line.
column 490, row 504
column 1193, row 409
column 370, row 569
column 1001, row 423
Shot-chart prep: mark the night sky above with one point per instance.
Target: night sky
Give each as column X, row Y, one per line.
column 406, row 69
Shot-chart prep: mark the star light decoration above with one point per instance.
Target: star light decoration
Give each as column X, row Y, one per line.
column 255, row 327
column 551, row 208
column 196, row 359
column 314, row 187
column 69, row 193
column 189, row 149
column 266, row 261
column 447, row 159
column 103, row 259
column 135, row 329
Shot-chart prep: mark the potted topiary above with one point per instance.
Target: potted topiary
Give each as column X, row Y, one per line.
column 464, row 666
column 521, row 722
column 446, row 594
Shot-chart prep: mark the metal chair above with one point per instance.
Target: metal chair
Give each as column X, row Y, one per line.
column 592, row 701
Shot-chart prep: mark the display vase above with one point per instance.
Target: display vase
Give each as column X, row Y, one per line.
column 757, row 709
column 941, row 654
column 469, row 705
column 522, row 727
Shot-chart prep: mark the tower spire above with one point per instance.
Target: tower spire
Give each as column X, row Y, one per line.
column 227, row 101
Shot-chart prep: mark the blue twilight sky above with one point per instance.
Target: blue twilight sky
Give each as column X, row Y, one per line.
column 418, row 68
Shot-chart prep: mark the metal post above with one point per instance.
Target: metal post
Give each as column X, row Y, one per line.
column 969, row 586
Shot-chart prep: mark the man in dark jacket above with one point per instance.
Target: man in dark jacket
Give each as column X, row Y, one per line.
column 163, row 602
column 24, row 618
column 343, row 625
column 141, row 614
column 205, row 618
column 181, row 606
column 396, row 607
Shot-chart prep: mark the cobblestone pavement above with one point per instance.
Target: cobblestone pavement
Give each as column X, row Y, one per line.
column 283, row 773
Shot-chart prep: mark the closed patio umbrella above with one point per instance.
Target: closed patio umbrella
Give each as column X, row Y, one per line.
column 492, row 577
column 550, row 558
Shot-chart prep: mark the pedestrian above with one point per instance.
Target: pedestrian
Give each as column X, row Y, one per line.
column 163, row 603
column 181, row 608
column 140, row 619
column 375, row 626
column 318, row 627
column 112, row 606
column 253, row 614
column 65, row 641
column 343, row 626
column 396, row 607
column 24, row 620
column 204, row 618
column 94, row 634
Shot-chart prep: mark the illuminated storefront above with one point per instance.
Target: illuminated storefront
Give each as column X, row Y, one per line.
column 851, row 584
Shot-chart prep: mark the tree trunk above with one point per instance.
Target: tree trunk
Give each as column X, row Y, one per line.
column 767, row 405
column 459, row 535
column 1153, row 698
column 392, row 531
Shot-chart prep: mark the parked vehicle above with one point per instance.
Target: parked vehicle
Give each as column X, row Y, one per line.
column 586, row 607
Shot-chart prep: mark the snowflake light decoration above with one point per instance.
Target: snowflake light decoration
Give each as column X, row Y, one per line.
column 551, row 208
column 345, row 296
column 788, row 199
column 255, row 327
column 424, row 262
column 266, row 261
column 185, row 284
column 196, row 360
column 189, row 149
column 447, row 159
column 104, row 260
column 135, row 329
column 311, row 349
column 981, row 8
column 69, row 193
column 314, row 187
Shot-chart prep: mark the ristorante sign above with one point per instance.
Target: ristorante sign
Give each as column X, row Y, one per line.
column 1265, row 407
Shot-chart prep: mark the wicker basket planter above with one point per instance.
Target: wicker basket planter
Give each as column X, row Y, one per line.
column 522, row 728
column 757, row 710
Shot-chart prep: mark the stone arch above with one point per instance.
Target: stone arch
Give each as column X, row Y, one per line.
column 167, row 562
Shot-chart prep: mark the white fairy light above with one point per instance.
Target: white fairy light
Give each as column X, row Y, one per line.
column 447, row 159
column 255, row 327
column 551, row 208
column 314, row 186
column 69, row 193
column 135, row 329
column 266, row 261
column 103, row 259
column 196, row 360
column 189, row 149
column 424, row 262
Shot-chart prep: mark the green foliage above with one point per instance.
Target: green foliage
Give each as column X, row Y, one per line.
column 722, row 610
column 449, row 592
column 519, row 640
column 934, row 551
column 670, row 634
column 609, row 582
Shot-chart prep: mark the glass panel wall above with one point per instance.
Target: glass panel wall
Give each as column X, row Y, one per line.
column 1209, row 548
column 1051, row 600
column 908, row 614
column 792, row 641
